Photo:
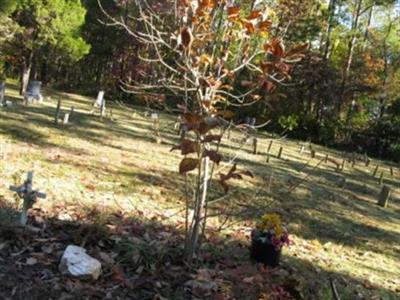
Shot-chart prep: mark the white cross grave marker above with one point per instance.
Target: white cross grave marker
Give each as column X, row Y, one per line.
column 26, row 192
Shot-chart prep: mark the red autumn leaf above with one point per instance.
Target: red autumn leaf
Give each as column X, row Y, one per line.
column 255, row 14
column 187, row 147
column 213, row 155
column 212, row 138
column 188, row 164
column 192, row 121
column 203, row 4
column 267, row 47
column 278, row 49
column 269, row 86
column 275, row 47
column 233, row 12
column 249, row 26
column 298, row 49
column 264, row 25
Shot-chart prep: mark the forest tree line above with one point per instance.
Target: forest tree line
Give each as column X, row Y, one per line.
column 345, row 91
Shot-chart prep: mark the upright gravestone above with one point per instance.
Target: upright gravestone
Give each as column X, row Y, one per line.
column 2, row 92
column 384, row 196
column 33, row 92
column 252, row 122
column 99, row 99
column 58, row 109
column 100, row 103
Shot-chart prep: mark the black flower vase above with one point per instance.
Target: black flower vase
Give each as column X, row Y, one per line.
column 264, row 252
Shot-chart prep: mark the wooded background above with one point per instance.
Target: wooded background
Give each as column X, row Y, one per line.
column 344, row 93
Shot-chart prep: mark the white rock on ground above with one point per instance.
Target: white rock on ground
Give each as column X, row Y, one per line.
column 77, row 263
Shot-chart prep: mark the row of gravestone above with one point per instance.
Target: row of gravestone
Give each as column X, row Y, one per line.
column 33, row 93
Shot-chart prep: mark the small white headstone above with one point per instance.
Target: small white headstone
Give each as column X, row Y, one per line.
column 66, row 118
column 75, row 262
column 100, row 98
column 154, row 116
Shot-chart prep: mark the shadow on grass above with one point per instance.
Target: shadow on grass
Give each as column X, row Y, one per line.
column 88, row 127
column 326, row 211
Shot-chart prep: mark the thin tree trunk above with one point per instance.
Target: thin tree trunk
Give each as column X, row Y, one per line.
column 350, row 54
column 385, row 73
column 331, row 9
column 370, row 13
column 198, row 216
column 26, row 73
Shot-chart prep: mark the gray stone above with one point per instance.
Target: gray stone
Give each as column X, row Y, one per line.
column 75, row 262
column 33, row 92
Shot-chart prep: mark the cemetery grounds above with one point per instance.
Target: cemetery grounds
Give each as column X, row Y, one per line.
column 113, row 187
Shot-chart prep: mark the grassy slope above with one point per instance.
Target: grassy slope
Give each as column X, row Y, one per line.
column 336, row 231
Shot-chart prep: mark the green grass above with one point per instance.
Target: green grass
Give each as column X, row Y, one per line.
column 337, row 231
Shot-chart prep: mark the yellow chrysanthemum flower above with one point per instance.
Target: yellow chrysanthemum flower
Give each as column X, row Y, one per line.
column 271, row 222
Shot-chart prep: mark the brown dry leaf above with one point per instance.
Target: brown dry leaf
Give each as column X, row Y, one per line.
column 187, row 147
column 204, row 4
column 192, row 120
column 233, row 12
column 187, row 165
column 297, row 49
column 214, row 156
column 186, row 37
column 278, row 49
column 264, row 26
column 249, row 26
column 255, row 14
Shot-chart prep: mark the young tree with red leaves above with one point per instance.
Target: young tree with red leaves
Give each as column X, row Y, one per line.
column 196, row 50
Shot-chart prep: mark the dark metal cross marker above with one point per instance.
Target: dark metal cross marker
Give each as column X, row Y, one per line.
column 26, row 192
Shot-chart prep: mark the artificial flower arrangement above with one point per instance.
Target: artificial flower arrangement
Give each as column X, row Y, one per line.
column 268, row 239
